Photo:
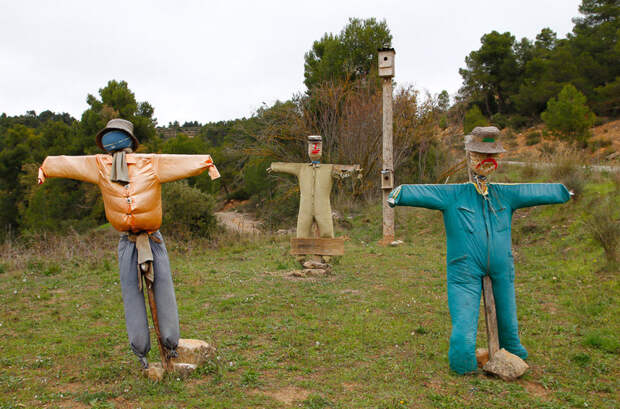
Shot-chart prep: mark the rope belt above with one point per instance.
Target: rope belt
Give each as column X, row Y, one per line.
column 145, row 256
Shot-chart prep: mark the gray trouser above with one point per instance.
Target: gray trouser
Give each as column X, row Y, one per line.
column 133, row 298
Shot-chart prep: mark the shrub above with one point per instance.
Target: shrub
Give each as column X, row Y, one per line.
column 547, row 149
column 532, row 138
column 603, row 224
column 569, row 169
column 569, row 115
column 443, row 122
column 474, row 118
column 519, row 121
column 188, row 210
column 499, row 120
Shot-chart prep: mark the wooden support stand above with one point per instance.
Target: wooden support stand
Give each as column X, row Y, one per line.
column 490, row 315
column 163, row 351
column 318, row 246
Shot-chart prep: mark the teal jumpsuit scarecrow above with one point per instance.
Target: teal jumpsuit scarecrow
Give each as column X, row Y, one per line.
column 478, row 240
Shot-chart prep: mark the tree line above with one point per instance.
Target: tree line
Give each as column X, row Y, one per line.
column 505, row 83
column 511, row 82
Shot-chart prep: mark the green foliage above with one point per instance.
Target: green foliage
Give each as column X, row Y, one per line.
column 443, row 122
column 603, row 225
column 349, row 55
column 473, row 118
column 519, row 77
column 607, row 98
column 255, row 180
column 492, row 72
column 532, row 138
column 117, row 101
column 443, row 100
column 569, row 169
column 569, row 115
column 186, row 209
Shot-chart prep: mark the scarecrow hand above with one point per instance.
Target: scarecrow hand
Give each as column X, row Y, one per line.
column 41, row 177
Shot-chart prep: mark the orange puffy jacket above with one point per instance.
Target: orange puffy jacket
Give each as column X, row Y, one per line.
column 136, row 206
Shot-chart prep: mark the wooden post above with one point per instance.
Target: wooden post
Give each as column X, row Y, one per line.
column 386, row 72
column 163, row 351
column 490, row 315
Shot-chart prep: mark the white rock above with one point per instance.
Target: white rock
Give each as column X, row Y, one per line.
column 506, row 365
column 183, row 369
column 193, row 351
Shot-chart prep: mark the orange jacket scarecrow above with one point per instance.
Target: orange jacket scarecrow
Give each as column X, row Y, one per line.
column 131, row 188
column 135, row 206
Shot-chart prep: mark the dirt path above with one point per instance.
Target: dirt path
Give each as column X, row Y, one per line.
column 238, row 222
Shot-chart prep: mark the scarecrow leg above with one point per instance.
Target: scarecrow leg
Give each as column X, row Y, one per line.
column 490, row 315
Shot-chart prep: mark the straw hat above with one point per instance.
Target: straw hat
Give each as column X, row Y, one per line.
column 482, row 140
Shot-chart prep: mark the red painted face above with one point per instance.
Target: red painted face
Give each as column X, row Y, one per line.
column 487, row 160
column 316, row 148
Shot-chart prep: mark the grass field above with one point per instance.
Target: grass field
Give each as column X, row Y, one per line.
column 372, row 335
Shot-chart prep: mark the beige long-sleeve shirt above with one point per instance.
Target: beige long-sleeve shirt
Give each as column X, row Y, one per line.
column 136, row 206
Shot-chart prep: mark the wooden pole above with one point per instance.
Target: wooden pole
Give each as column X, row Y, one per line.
column 388, row 161
column 163, row 351
column 490, row 315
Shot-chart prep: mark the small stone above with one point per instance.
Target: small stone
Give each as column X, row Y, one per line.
column 482, row 356
column 506, row 365
column 315, row 272
column 155, row 372
column 193, row 351
column 396, row 243
column 182, row 369
column 315, row 264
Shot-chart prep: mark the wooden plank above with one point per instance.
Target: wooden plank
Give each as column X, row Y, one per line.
column 319, row 246
column 490, row 315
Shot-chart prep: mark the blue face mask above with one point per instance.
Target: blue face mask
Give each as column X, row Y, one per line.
column 116, row 140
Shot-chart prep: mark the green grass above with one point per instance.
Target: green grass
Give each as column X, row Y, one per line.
column 373, row 335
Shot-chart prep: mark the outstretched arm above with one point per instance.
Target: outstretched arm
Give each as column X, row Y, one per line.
column 534, row 194
column 284, row 167
column 428, row 196
column 82, row 168
column 174, row 167
column 344, row 171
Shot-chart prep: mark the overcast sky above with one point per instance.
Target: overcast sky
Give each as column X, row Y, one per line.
column 215, row 60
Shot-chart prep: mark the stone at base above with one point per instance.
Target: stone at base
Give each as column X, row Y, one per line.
column 155, row 372
column 193, row 351
column 315, row 265
column 506, row 365
column 183, row 370
column 396, row 243
column 482, row 356
column 315, row 272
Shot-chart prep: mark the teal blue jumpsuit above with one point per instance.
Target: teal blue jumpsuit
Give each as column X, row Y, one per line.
column 479, row 243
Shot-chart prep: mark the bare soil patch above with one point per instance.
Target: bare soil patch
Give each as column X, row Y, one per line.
column 536, row 389
column 287, row 395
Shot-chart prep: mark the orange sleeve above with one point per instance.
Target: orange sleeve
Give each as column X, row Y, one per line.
column 82, row 168
column 175, row 167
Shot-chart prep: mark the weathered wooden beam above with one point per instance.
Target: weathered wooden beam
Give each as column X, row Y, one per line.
column 317, row 246
column 490, row 315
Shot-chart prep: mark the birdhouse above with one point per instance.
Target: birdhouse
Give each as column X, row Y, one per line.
column 386, row 62
column 387, row 179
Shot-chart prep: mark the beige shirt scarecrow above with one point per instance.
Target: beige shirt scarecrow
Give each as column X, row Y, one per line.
column 315, row 185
